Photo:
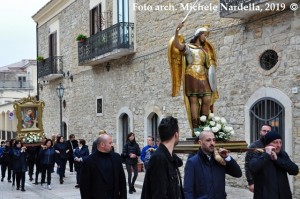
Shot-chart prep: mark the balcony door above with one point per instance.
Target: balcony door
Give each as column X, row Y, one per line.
column 53, row 52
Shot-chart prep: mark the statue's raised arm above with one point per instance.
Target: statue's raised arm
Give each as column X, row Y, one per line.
column 194, row 65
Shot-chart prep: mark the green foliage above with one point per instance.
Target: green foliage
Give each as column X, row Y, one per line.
column 40, row 58
column 81, row 37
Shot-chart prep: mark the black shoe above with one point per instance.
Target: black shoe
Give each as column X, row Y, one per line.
column 9, row 181
column 77, row 186
column 22, row 189
column 130, row 191
column 36, row 183
column 61, row 181
column 18, row 188
column 1, row 179
column 30, row 179
column 133, row 189
column 13, row 184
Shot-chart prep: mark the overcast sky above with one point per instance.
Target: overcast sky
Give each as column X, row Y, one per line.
column 18, row 30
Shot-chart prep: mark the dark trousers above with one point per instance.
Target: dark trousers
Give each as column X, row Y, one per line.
column 30, row 168
column 20, row 177
column 62, row 167
column 78, row 173
column 10, row 173
column 46, row 168
column 4, row 166
column 129, row 171
column 38, row 169
column 71, row 163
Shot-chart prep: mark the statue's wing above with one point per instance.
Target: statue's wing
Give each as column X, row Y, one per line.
column 175, row 64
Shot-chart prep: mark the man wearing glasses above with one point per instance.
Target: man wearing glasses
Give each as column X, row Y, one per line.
column 266, row 128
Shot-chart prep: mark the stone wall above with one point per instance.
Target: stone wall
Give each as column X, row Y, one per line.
column 142, row 81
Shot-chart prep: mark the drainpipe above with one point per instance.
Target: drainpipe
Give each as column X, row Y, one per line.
column 37, row 68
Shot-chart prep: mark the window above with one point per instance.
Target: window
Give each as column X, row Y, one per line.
column 99, row 106
column 125, row 127
column 154, row 126
column 266, row 111
column 53, row 52
column 123, row 11
column 96, row 19
column 21, row 80
column 3, row 135
column 268, row 59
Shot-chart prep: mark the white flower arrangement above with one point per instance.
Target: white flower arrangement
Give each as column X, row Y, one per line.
column 218, row 125
column 32, row 138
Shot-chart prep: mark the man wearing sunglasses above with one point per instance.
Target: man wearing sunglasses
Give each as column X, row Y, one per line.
column 257, row 144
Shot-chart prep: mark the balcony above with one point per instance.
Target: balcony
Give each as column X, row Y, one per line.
column 16, row 85
column 51, row 68
column 243, row 9
column 111, row 43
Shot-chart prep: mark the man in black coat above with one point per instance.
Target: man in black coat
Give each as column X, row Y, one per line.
column 270, row 170
column 162, row 179
column 102, row 174
column 72, row 144
column 265, row 128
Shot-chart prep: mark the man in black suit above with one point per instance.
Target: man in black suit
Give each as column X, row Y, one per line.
column 102, row 174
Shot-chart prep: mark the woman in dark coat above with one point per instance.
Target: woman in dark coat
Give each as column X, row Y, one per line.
column 11, row 173
column 47, row 159
column 19, row 164
column 131, row 151
column 61, row 150
column 81, row 152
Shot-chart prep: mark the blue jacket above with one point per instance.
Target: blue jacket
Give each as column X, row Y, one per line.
column 19, row 160
column 80, row 153
column 205, row 179
column 144, row 150
column 47, row 156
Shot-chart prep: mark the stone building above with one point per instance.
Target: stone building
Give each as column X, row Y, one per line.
column 17, row 80
column 119, row 80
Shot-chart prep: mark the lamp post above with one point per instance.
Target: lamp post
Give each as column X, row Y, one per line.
column 60, row 93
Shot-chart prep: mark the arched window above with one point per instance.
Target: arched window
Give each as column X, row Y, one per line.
column 266, row 111
column 154, row 126
column 125, row 127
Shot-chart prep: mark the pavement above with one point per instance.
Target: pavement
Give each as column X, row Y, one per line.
column 68, row 191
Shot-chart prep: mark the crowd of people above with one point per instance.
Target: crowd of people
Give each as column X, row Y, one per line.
column 104, row 175
column 17, row 159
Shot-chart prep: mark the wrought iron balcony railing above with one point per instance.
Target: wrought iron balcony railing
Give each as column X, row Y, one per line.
column 16, row 85
column 50, row 68
column 117, row 40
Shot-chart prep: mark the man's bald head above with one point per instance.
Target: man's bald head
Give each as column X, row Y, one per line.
column 104, row 143
column 207, row 141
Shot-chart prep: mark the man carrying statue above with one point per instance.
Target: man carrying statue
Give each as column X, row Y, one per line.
column 194, row 64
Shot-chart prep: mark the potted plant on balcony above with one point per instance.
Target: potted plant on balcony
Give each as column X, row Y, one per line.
column 81, row 38
column 40, row 59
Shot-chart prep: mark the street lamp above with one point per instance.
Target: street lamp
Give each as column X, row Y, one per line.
column 60, row 93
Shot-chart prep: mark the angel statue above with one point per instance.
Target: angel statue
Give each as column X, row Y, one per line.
column 194, row 64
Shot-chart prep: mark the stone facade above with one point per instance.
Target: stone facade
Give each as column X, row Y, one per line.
column 140, row 84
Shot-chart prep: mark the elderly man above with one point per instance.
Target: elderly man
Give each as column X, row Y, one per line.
column 102, row 173
column 205, row 173
column 270, row 168
column 265, row 128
